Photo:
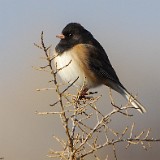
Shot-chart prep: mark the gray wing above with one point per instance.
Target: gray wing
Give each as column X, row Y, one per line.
column 99, row 63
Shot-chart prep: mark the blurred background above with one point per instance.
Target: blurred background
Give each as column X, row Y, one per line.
column 128, row 30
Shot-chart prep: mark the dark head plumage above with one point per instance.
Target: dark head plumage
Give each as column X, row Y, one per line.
column 72, row 35
column 74, row 28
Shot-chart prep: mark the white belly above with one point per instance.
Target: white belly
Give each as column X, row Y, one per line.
column 71, row 72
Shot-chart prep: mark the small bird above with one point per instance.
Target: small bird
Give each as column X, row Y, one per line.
column 83, row 58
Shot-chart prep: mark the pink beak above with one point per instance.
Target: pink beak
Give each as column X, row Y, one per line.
column 61, row 36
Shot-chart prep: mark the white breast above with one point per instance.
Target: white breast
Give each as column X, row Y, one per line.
column 71, row 72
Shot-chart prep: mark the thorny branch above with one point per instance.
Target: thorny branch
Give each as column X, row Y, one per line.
column 77, row 117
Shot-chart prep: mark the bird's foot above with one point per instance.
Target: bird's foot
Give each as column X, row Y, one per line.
column 85, row 95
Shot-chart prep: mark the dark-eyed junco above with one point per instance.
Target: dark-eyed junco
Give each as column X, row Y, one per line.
column 88, row 62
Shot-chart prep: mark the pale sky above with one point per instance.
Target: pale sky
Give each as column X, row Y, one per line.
column 128, row 30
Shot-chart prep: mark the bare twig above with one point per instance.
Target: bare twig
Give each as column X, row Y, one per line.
column 83, row 122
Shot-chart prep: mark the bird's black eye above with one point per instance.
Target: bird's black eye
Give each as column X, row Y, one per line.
column 68, row 34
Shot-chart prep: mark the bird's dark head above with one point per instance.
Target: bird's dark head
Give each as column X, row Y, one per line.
column 72, row 35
